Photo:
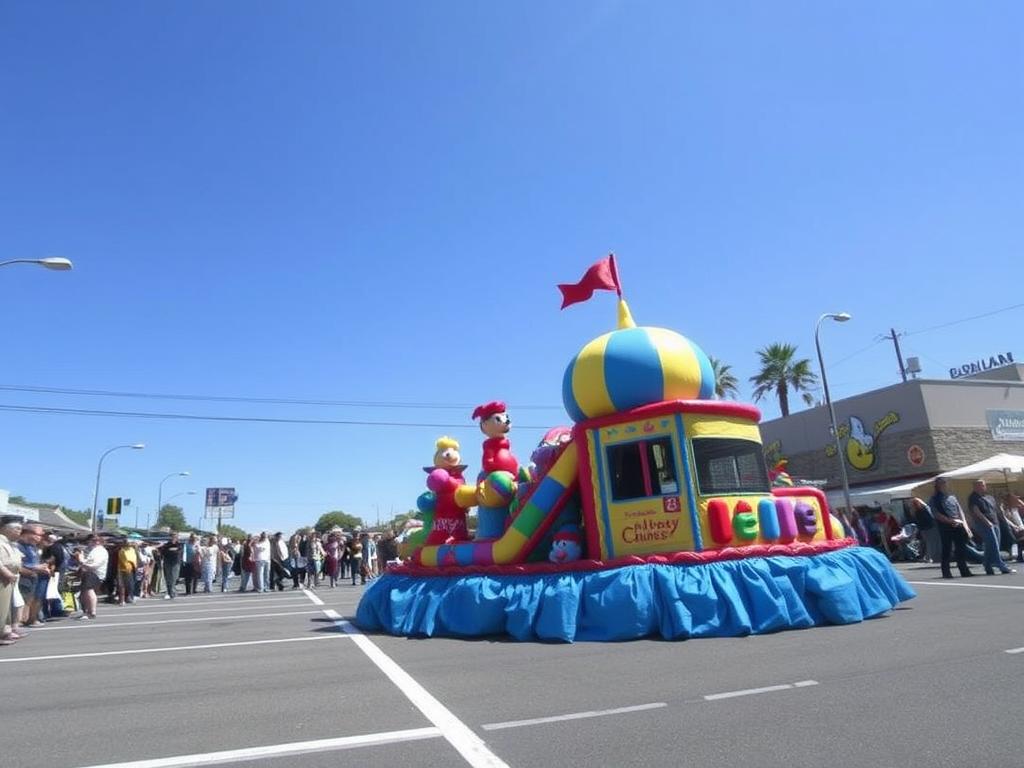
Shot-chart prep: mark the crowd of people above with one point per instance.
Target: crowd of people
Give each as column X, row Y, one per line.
column 943, row 531
column 44, row 576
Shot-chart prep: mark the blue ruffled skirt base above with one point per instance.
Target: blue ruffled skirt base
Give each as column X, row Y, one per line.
column 722, row 599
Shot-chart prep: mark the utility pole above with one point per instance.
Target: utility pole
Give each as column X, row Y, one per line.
column 895, row 339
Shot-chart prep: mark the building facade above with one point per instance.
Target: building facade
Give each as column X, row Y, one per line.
column 914, row 429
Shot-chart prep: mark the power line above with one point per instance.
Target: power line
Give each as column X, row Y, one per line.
column 237, row 419
column 965, row 320
column 858, row 352
column 261, row 400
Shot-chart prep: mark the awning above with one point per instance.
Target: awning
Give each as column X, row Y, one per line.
column 879, row 493
column 998, row 468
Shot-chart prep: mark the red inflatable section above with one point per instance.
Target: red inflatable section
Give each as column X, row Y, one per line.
column 672, row 558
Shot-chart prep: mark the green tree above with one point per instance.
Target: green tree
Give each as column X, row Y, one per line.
column 726, row 384
column 780, row 372
column 337, row 518
column 232, row 532
column 172, row 517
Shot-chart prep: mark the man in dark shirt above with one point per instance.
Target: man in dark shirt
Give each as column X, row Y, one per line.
column 984, row 516
column 949, row 517
column 170, row 551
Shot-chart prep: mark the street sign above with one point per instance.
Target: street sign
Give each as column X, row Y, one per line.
column 220, row 503
column 114, row 506
column 214, row 513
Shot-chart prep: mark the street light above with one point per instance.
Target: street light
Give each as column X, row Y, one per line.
column 58, row 263
column 839, row 317
column 160, row 491
column 99, row 469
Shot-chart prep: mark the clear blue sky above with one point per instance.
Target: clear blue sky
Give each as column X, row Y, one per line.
column 374, row 202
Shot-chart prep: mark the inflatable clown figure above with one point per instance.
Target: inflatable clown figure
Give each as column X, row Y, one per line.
column 565, row 547
column 452, row 497
column 496, row 424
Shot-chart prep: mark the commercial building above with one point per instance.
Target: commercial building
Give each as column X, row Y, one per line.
column 911, row 430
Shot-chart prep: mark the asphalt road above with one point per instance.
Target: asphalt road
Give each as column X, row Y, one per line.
column 933, row 683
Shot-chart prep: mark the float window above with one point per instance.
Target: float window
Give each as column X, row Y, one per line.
column 729, row 465
column 642, row 469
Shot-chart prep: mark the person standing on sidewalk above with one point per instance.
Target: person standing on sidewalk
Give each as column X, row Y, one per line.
column 261, row 550
column 93, row 567
column 985, row 522
column 171, row 551
column 278, row 560
column 226, row 559
column 10, row 562
column 927, row 528
column 127, row 564
column 952, row 528
column 355, row 556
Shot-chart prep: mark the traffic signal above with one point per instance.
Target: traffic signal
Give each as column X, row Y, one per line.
column 114, row 506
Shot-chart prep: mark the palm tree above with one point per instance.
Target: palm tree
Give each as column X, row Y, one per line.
column 780, row 373
column 726, row 384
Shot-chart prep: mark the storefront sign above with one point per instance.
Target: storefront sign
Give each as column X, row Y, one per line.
column 1006, row 425
column 915, row 455
column 862, row 442
column 982, row 365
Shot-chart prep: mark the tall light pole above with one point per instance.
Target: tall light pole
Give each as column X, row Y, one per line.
column 839, row 317
column 160, row 490
column 99, row 469
column 58, row 263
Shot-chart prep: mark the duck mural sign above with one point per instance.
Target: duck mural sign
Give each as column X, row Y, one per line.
column 860, row 442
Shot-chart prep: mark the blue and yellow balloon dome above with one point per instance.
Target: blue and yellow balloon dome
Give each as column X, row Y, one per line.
column 631, row 367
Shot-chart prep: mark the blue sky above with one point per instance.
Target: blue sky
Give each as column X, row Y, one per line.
column 374, row 202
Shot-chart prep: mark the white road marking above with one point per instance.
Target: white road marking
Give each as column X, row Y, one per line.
column 754, row 691
column 472, row 748
column 572, row 716
column 93, row 625
column 279, row 750
column 131, row 613
column 171, row 648
column 313, row 598
column 1015, row 650
column 957, row 584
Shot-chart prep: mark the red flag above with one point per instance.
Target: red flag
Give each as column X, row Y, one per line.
column 602, row 276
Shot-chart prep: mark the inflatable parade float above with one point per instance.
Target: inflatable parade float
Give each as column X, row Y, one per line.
column 654, row 515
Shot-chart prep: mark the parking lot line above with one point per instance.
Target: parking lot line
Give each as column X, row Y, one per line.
column 755, row 691
column 279, row 750
column 1014, row 650
column 94, row 625
column 132, row 651
column 572, row 716
column 958, row 584
column 472, row 748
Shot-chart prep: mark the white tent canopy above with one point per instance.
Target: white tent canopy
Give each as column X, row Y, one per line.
column 1002, row 466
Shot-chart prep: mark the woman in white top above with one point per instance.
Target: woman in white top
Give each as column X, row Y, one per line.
column 261, row 554
column 93, row 568
column 208, row 552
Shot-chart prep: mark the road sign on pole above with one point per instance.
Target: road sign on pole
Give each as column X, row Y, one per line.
column 220, row 503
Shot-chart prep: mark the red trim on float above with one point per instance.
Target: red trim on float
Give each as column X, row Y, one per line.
column 586, row 489
column 673, row 558
column 826, row 518
column 712, row 407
